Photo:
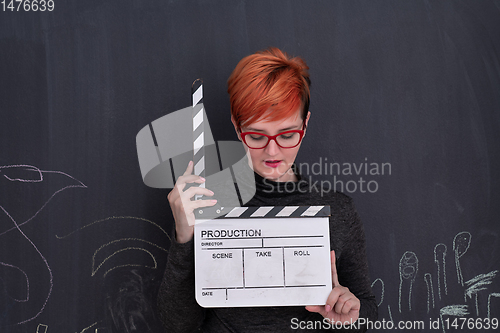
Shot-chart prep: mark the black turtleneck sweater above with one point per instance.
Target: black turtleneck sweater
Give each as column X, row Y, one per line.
column 180, row 312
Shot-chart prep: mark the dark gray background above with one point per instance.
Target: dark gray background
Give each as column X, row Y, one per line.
column 412, row 83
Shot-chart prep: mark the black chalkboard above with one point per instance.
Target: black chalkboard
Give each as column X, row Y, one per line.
column 405, row 102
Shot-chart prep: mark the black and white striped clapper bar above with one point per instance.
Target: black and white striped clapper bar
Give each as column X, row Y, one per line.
column 262, row 212
column 262, row 256
column 198, row 131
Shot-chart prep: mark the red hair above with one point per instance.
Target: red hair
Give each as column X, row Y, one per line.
column 268, row 79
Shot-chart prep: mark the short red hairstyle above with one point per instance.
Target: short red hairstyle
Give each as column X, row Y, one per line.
column 268, row 79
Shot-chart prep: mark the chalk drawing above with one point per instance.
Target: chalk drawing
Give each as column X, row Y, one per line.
column 461, row 244
column 383, row 289
column 41, row 328
column 489, row 302
column 27, row 284
column 408, row 268
column 111, row 251
column 87, row 328
column 44, row 260
column 472, row 289
column 31, row 174
column 122, row 250
column 39, row 173
column 119, row 219
column 116, row 218
column 440, row 260
column 430, row 291
column 452, row 310
column 94, row 328
column 477, row 284
column 94, row 270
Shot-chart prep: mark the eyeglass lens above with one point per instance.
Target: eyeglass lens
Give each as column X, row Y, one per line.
column 284, row 140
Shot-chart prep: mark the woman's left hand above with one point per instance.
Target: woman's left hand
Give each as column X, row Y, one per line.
column 341, row 306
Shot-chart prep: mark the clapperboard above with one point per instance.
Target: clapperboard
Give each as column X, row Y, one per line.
column 258, row 256
column 263, row 256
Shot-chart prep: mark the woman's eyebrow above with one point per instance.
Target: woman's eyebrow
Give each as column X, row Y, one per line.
column 250, row 129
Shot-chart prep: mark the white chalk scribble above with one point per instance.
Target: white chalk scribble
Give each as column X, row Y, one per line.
column 461, row 244
column 440, row 260
column 27, row 174
column 382, row 291
column 430, row 291
column 408, row 268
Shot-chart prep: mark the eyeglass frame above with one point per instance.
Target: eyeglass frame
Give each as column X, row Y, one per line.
column 273, row 137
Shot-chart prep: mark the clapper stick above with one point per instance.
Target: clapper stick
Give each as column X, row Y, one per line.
column 198, row 131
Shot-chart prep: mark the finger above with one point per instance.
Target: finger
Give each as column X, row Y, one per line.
column 332, row 299
column 350, row 305
column 183, row 180
column 320, row 309
column 343, row 305
column 192, row 191
column 190, row 179
column 315, row 308
column 203, row 203
column 347, row 303
column 335, row 278
column 189, row 169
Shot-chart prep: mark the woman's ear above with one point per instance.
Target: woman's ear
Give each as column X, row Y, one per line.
column 307, row 120
column 236, row 128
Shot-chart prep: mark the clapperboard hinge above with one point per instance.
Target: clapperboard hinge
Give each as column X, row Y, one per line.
column 262, row 212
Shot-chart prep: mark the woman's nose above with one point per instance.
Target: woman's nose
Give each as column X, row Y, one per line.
column 272, row 148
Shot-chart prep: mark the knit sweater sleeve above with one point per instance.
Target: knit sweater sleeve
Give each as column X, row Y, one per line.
column 177, row 305
column 352, row 265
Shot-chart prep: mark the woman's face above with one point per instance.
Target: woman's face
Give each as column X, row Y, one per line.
column 274, row 162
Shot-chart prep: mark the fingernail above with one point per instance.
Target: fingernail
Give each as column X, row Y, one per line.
column 328, row 308
column 190, row 162
column 212, row 192
column 202, row 179
column 214, row 201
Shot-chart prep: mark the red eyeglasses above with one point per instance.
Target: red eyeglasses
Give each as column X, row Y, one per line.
column 287, row 139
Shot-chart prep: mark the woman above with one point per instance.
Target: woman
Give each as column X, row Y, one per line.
column 269, row 95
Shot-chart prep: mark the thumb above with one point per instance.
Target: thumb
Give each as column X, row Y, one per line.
column 335, row 278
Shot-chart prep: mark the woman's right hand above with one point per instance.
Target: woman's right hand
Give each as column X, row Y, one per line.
column 183, row 206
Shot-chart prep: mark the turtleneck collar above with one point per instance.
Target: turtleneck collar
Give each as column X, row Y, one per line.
column 270, row 188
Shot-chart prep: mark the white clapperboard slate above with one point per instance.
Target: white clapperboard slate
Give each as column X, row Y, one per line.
column 263, row 256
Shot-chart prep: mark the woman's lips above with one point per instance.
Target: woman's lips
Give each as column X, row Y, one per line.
column 272, row 163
